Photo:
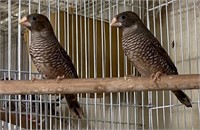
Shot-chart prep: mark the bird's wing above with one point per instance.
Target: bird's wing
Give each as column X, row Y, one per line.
column 67, row 59
column 164, row 55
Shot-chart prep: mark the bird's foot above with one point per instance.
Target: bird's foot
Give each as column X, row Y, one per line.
column 59, row 78
column 156, row 77
column 127, row 76
column 33, row 79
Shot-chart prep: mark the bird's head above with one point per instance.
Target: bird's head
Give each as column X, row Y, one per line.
column 36, row 22
column 125, row 19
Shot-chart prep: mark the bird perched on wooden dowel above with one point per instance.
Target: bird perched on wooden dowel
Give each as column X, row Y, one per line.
column 49, row 57
column 145, row 51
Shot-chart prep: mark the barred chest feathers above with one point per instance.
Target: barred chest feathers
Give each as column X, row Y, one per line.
column 46, row 58
column 136, row 47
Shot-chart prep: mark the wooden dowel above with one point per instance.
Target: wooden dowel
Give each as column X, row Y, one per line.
column 99, row 85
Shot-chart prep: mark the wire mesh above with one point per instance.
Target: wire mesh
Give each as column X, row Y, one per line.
column 82, row 27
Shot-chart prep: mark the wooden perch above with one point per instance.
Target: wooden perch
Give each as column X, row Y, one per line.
column 99, row 85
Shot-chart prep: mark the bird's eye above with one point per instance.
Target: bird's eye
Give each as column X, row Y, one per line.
column 34, row 18
column 123, row 16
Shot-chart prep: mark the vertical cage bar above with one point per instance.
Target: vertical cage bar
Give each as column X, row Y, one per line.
column 102, row 42
column 149, row 92
column 29, row 37
column 167, row 30
column 19, row 64
column 39, row 11
column 175, row 59
column 81, row 41
column 188, row 35
column 60, row 111
column 110, row 57
column 50, row 96
column 127, row 111
column 72, row 36
column 88, row 40
column 110, row 39
column 94, row 40
column 154, row 19
column 111, row 112
column 95, row 60
column 46, row 110
column 50, row 107
column 86, row 62
column 161, row 41
column 195, row 34
column 9, row 109
column 9, row 56
column 154, row 28
column 104, row 112
column 87, row 111
column 182, row 52
column 77, row 52
column 77, row 40
column 9, row 38
column 126, row 73
column 58, row 18
column 67, row 26
column 49, row 9
column 41, row 108
column 118, row 43
column 132, row 67
column 118, row 67
column 5, row 124
column 143, row 116
column 31, row 112
column 39, row 5
column 36, row 112
column 27, row 112
column 125, row 57
column 79, row 122
column 160, row 20
column 95, row 110
column 188, row 41
column 135, row 110
column 86, row 51
column 19, row 42
column 119, row 106
column 181, row 36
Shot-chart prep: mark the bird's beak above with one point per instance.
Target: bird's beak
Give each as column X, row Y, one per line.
column 115, row 23
column 24, row 21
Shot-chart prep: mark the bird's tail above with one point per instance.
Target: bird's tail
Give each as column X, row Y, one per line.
column 183, row 98
column 74, row 107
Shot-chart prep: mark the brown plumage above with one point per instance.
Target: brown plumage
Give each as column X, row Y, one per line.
column 49, row 57
column 144, row 50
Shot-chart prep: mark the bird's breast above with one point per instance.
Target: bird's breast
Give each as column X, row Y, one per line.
column 142, row 56
column 47, row 61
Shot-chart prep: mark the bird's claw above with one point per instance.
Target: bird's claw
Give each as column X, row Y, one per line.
column 33, row 79
column 156, row 77
column 59, row 78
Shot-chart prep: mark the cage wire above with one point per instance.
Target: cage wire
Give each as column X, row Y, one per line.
column 82, row 27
